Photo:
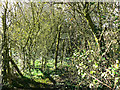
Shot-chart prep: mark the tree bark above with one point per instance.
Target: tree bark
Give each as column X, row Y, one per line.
column 5, row 52
column 15, row 66
column 57, row 46
column 63, row 50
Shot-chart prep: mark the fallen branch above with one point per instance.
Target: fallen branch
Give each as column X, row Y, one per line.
column 99, row 81
column 47, row 75
column 16, row 67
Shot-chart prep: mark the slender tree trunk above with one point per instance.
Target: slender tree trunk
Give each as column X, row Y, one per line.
column 96, row 31
column 57, row 46
column 24, row 59
column 5, row 53
column 42, row 63
column 63, row 52
column 33, row 63
column 70, row 44
column 45, row 62
column 86, row 44
column 29, row 61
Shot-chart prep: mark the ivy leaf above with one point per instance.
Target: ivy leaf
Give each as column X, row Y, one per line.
column 67, row 58
column 91, row 72
column 83, row 75
column 116, row 22
column 116, row 18
column 90, row 60
column 103, row 16
column 117, row 73
column 103, row 58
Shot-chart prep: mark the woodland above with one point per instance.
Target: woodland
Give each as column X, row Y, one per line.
column 60, row 45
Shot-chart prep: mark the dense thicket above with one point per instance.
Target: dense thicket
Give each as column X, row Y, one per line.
column 74, row 43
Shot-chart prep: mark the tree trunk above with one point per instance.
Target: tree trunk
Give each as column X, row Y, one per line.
column 24, row 59
column 96, row 31
column 63, row 51
column 15, row 66
column 42, row 63
column 57, row 46
column 5, row 52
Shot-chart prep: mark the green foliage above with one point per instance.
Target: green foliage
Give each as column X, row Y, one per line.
column 88, row 50
column 88, row 68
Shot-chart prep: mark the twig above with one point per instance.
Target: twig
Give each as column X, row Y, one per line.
column 106, row 49
column 99, row 81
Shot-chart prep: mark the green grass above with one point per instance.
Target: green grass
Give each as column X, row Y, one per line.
column 38, row 76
